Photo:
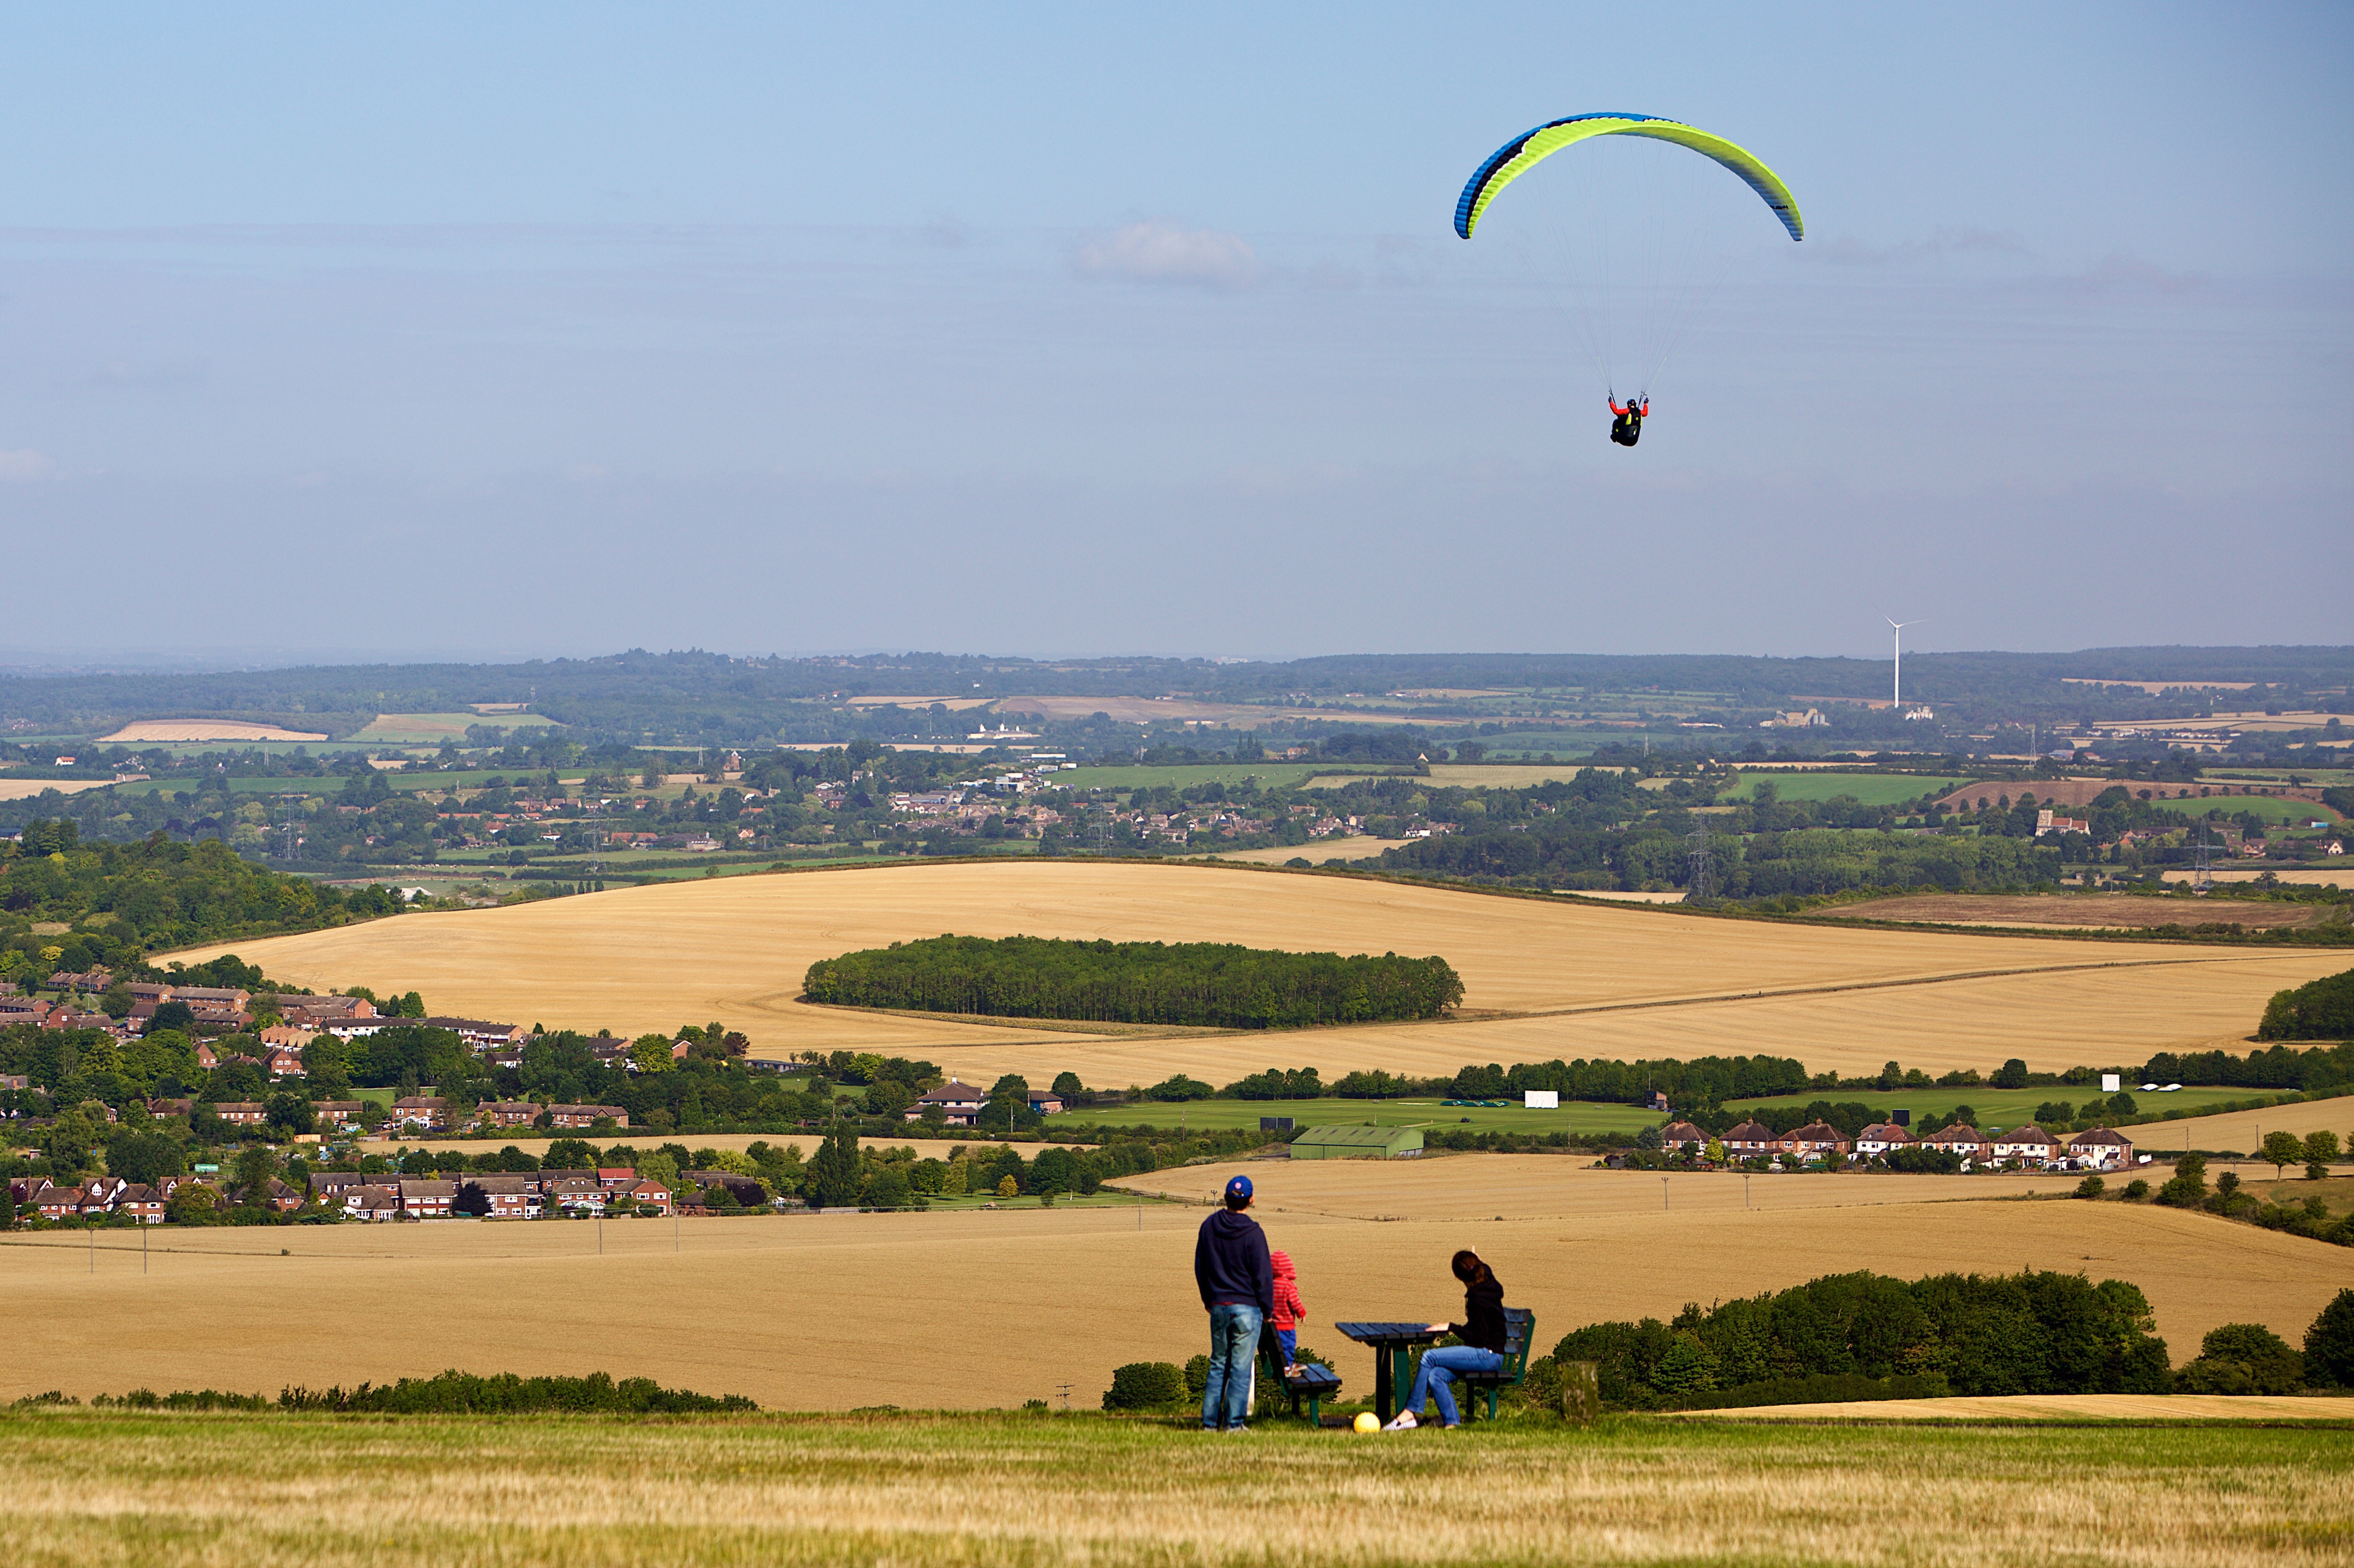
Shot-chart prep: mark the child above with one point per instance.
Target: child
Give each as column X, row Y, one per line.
column 1288, row 1308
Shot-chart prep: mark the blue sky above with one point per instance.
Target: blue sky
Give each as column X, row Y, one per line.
column 1056, row 330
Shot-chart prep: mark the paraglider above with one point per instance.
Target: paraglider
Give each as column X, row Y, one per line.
column 1627, row 427
column 1640, row 287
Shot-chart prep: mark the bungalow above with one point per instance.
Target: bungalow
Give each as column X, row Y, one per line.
column 1683, row 1134
column 960, row 1102
column 2101, row 1148
column 2030, row 1145
column 1814, row 1141
column 425, row 1200
column 1751, row 1140
column 588, row 1115
column 1046, row 1102
column 1962, row 1141
column 1881, row 1137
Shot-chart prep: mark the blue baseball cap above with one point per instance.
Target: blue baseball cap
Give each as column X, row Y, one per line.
column 1239, row 1187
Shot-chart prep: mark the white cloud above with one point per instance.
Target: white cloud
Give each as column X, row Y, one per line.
column 23, row 467
column 1159, row 251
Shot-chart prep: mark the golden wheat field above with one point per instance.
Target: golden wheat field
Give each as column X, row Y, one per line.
column 977, row 1309
column 1543, row 978
column 1041, row 1490
column 2057, row 1407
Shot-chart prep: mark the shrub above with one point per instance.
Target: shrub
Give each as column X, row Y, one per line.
column 2242, row 1358
column 1145, row 1385
column 455, row 1392
column 2187, row 1187
column 1197, row 1377
column 2090, row 1187
column 2329, row 1344
column 2137, row 1190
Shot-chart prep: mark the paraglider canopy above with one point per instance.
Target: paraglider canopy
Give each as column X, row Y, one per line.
column 1524, row 151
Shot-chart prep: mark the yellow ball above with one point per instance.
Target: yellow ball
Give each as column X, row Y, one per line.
column 1368, row 1422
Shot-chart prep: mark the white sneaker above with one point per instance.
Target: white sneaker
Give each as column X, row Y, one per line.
column 1402, row 1421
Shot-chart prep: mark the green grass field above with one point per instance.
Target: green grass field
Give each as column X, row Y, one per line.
column 100, row 1488
column 1581, row 1115
column 1871, row 788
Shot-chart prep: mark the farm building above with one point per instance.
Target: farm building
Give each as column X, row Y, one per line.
column 1358, row 1143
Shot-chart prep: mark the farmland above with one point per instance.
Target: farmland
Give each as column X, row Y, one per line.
column 2080, row 910
column 753, row 1305
column 1543, row 978
column 2008, row 1107
column 1871, row 789
column 108, row 1487
column 1220, row 1115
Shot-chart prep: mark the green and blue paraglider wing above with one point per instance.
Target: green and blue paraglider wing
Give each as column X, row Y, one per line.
column 1523, row 153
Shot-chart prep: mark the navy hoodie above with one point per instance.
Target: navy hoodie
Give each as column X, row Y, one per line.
column 1231, row 1265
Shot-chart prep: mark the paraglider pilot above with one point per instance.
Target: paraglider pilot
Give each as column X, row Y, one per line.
column 1627, row 427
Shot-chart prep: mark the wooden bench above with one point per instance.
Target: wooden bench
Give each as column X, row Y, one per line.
column 1307, row 1381
column 1519, row 1328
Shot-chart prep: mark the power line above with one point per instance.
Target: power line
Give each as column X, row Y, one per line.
column 1700, row 884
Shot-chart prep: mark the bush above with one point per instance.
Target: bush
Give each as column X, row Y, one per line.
column 2187, row 1187
column 2137, row 1190
column 1145, row 1385
column 455, row 1392
column 2242, row 1358
column 1821, row 1388
column 2090, row 1187
column 2329, row 1344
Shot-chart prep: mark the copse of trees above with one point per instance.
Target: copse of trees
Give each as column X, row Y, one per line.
column 2319, row 1010
column 2032, row 1332
column 1204, row 983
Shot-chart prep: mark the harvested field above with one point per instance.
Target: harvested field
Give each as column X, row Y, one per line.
column 2067, row 1407
column 1163, row 710
column 432, row 729
column 107, row 1486
column 179, row 731
column 970, row 1287
column 2244, row 1130
column 2320, row 876
column 2088, row 911
column 1555, row 978
column 33, row 788
column 1322, row 852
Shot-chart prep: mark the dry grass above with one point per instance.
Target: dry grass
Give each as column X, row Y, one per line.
column 1322, row 852
column 2081, row 910
column 2249, row 871
column 2244, row 1130
column 293, row 1492
column 1572, row 978
column 2073, row 1407
column 27, row 789
column 970, row 1308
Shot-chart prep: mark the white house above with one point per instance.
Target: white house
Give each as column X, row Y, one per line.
column 2030, row 1145
column 2101, row 1148
column 1881, row 1137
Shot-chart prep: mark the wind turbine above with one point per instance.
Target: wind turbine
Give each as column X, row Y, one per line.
column 1896, row 689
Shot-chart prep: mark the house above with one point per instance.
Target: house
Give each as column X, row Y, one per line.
column 141, row 1203
column 425, row 1200
column 272, row 1194
column 588, row 1115
column 1810, row 718
column 613, row 1176
column 316, row 1011
column 513, row 1197
column 1881, row 1137
column 648, row 1195
column 325, row 1185
column 576, row 1194
column 506, row 1113
column 1046, row 1102
column 1962, row 1141
column 283, row 1062
column 338, row 1114
column 2101, row 1148
column 242, row 1113
column 288, row 1036
column 171, row 1107
column 2333, row 846
column 745, row 1190
column 478, row 1033
column 2030, row 1145
column 1683, row 1134
column 430, row 1112
column 1814, row 1141
column 1751, row 1140
column 960, row 1102
column 87, row 979
column 23, row 1010
column 2046, row 821
column 370, row 1201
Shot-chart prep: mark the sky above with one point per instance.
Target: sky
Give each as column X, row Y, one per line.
column 537, row 330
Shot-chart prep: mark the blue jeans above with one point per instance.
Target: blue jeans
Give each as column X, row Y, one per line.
column 1440, row 1366
column 1290, row 1339
column 1234, row 1344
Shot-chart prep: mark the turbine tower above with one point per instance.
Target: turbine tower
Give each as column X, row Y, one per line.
column 1896, row 687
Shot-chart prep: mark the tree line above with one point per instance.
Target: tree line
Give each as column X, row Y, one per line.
column 1222, row 985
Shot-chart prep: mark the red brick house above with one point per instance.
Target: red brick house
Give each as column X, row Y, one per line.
column 1683, row 1134
column 1816, row 1140
column 588, row 1115
column 1752, row 1138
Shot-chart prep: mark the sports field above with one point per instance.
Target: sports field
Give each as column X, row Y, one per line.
column 1044, row 1491
column 1543, row 978
column 974, row 1309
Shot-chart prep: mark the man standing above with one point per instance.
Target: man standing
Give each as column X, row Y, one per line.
column 1237, row 1284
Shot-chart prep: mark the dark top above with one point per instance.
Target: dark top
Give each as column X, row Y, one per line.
column 1483, row 1311
column 1231, row 1265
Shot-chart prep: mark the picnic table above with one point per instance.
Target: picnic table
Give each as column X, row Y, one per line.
column 1392, row 1345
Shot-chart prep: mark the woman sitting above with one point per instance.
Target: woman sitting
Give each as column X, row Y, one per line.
column 1482, row 1350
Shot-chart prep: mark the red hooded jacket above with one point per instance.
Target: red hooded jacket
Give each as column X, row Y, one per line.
column 1288, row 1309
